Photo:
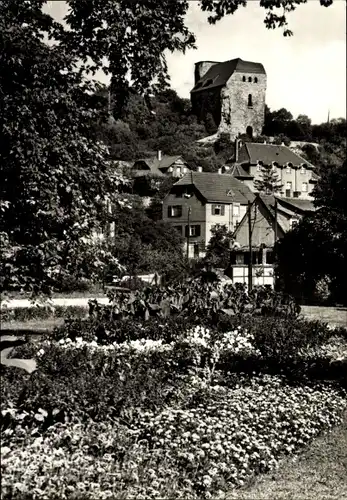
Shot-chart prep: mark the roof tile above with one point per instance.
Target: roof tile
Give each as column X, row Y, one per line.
column 220, row 73
column 214, row 187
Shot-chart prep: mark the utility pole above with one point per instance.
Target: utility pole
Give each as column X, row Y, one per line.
column 250, row 267
column 275, row 221
column 188, row 233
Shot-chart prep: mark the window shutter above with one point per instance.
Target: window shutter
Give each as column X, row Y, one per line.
column 179, row 209
column 222, row 212
column 169, row 211
column 213, row 209
column 197, row 230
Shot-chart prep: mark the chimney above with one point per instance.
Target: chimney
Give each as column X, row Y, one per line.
column 159, row 155
column 282, row 144
column 199, row 169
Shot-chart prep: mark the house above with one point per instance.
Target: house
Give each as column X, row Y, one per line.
column 233, row 93
column 160, row 166
column 201, row 200
column 296, row 174
column 270, row 218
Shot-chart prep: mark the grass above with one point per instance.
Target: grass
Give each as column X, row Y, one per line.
column 333, row 315
column 34, row 325
column 319, row 473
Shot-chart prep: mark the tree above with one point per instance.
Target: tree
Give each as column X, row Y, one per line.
column 269, row 182
column 218, row 248
column 56, row 176
column 117, row 32
column 315, row 251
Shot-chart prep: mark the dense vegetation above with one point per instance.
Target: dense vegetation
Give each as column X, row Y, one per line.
column 187, row 401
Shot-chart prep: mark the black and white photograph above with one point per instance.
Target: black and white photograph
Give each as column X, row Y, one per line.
column 173, row 250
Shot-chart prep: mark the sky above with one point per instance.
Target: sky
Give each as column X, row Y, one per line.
column 306, row 73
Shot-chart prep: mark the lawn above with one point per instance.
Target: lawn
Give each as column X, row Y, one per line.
column 332, row 315
column 318, row 473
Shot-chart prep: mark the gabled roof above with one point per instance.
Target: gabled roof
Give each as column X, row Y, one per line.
column 167, row 161
column 297, row 204
column 220, row 73
column 238, row 171
column 283, row 221
column 155, row 166
column 252, row 152
column 215, row 187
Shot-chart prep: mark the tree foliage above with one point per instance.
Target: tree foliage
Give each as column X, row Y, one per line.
column 269, row 182
column 218, row 248
column 316, row 249
column 56, row 175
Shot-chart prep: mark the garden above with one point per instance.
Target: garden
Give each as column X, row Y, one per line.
column 187, row 391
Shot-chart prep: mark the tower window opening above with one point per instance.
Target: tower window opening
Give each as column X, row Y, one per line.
column 250, row 102
column 255, row 80
column 250, row 79
column 243, row 78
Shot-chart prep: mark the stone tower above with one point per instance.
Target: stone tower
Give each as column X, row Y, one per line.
column 233, row 92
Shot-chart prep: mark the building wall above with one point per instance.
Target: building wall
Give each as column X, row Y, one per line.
column 233, row 214
column 207, row 102
column 196, row 217
column 236, row 114
column 201, row 214
column 297, row 176
column 263, row 229
column 201, row 68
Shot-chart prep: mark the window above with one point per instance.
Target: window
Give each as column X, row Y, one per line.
column 304, row 187
column 178, row 229
column 293, row 223
column 288, row 189
column 250, row 103
column 296, row 194
column 255, row 80
column 259, row 165
column 269, row 257
column 250, row 79
column 243, row 78
column 218, row 209
column 194, row 230
column 174, row 211
column 236, row 210
column 178, row 170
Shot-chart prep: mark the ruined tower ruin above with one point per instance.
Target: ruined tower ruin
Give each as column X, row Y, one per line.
column 233, row 92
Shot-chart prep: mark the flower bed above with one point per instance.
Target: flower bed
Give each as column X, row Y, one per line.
column 156, row 419
column 199, row 450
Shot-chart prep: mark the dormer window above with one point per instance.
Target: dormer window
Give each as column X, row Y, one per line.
column 250, row 79
column 274, row 164
column 208, row 82
column 289, row 168
column 250, row 102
